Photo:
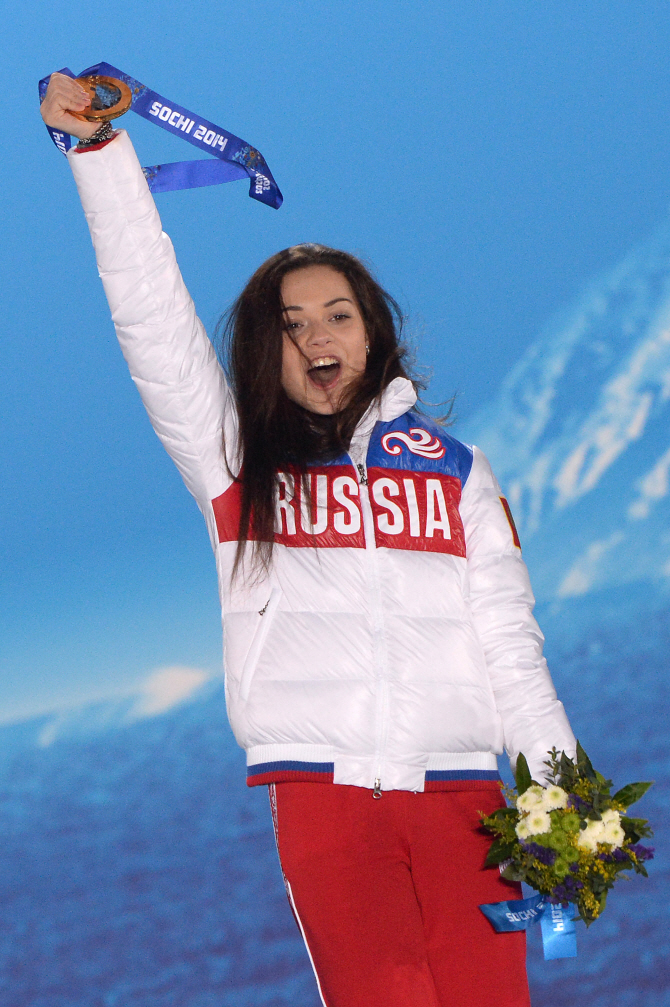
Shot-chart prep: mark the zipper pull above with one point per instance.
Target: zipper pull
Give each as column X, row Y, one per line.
column 377, row 792
column 364, row 481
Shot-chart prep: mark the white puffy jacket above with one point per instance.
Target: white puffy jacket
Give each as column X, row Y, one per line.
column 392, row 645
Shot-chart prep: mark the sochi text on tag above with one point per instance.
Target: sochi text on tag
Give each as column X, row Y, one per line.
column 178, row 121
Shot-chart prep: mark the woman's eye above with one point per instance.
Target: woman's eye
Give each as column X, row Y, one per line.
column 338, row 318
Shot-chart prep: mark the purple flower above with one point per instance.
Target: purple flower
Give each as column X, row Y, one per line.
column 642, row 852
column 572, row 885
column 542, row 853
column 565, row 892
column 616, row 856
column 577, row 803
column 574, row 868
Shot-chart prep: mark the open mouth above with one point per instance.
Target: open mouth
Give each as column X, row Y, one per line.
column 324, row 371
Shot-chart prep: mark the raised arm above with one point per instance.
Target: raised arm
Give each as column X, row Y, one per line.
column 502, row 603
column 171, row 360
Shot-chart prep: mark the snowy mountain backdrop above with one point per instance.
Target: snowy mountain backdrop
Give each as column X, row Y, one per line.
column 579, row 435
column 137, row 870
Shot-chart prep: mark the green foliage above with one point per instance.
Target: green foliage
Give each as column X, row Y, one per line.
column 635, row 828
column 584, row 765
column 500, row 849
column 631, row 793
column 513, row 873
column 522, row 774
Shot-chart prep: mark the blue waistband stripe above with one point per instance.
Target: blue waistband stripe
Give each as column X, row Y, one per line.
column 462, row 774
column 303, row 767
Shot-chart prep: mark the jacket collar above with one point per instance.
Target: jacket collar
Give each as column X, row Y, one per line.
column 396, row 399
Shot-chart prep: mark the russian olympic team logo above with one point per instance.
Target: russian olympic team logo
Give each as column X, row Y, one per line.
column 418, row 441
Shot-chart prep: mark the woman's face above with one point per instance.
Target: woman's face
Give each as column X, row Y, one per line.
column 324, row 338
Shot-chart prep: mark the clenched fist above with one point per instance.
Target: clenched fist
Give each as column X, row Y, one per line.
column 64, row 96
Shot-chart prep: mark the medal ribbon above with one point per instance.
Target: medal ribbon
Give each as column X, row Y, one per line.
column 559, row 937
column 234, row 157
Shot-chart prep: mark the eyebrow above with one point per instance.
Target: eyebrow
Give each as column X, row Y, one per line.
column 328, row 304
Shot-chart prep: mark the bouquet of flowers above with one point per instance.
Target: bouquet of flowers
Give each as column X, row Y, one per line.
column 571, row 839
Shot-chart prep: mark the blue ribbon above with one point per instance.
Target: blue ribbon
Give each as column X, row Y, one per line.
column 235, row 158
column 559, row 937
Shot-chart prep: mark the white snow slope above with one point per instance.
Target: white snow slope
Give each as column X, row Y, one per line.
column 579, row 435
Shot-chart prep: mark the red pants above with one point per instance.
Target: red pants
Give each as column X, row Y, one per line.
column 386, row 894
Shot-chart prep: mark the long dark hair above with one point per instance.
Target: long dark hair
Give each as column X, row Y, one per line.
column 275, row 433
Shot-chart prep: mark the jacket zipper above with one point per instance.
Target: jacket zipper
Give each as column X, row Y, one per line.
column 378, row 628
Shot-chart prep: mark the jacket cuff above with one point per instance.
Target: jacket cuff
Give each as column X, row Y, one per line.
column 95, row 146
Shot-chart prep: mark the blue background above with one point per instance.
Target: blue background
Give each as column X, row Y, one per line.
column 504, row 167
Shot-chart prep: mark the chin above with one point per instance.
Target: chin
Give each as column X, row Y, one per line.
column 323, row 408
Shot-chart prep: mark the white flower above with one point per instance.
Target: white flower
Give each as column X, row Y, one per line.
column 538, row 822
column 554, row 797
column 522, row 830
column 611, row 816
column 614, row 834
column 532, row 798
column 589, row 837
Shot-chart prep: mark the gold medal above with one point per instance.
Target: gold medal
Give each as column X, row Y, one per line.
column 110, row 98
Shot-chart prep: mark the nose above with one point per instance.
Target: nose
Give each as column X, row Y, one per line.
column 318, row 334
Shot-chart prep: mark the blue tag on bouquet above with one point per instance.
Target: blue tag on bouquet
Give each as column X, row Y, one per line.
column 559, row 937
column 517, row 914
column 234, row 157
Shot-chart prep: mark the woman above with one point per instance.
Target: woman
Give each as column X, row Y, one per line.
column 379, row 645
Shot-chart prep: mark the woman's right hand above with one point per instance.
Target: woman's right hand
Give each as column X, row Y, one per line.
column 63, row 96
